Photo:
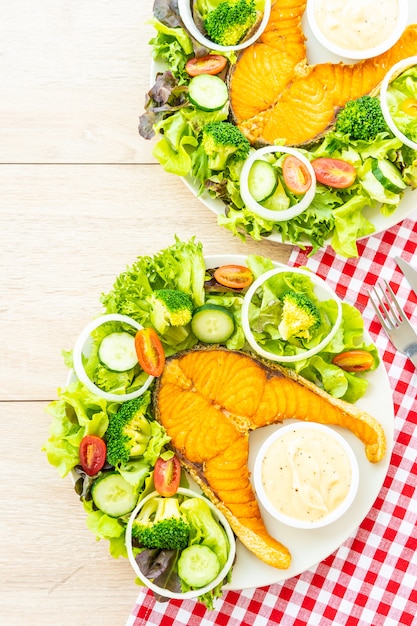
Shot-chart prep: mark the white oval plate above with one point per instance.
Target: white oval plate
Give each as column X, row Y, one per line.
column 309, row 547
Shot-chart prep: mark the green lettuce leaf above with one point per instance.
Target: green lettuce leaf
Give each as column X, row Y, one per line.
column 77, row 413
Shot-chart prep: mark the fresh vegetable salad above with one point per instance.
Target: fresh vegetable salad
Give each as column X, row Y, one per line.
column 359, row 164
column 116, row 451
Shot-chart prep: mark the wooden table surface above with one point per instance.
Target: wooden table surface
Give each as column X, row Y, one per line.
column 81, row 197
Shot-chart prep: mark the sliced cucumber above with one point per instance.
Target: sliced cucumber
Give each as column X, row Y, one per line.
column 198, row 565
column 212, row 323
column 208, row 92
column 117, row 352
column 113, row 495
column 388, row 175
column 262, row 180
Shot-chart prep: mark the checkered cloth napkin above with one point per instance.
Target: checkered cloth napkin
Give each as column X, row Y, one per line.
column 372, row 578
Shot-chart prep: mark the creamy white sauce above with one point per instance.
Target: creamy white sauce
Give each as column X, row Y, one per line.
column 306, row 474
column 356, row 24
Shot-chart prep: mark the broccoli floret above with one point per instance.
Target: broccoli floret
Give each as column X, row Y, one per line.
column 161, row 525
column 128, row 432
column 228, row 24
column 299, row 316
column 205, row 529
column 221, row 141
column 361, row 119
column 170, row 308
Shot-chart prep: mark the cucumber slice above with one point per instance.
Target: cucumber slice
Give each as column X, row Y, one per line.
column 208, row 92
column 117, row 352
column 262, row 180
column 388, row 175
column 198, row 565
column 212, row 323
column 113, row 495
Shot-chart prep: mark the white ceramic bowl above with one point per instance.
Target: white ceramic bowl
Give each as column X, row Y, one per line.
column 82, row 346
column 195, row 592
column 368, row 53
column 322, row 291
column 395, row 71
column 256, row 207
column 184, row 7
column 342, row 448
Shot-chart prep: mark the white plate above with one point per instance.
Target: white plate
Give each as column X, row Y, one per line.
column 316, row 53
column 309, row 547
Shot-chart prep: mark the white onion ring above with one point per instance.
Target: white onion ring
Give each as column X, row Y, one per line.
column 78, row 359
column 186, row 15
column 256, row 207
column 295, row 357
column 404, row 65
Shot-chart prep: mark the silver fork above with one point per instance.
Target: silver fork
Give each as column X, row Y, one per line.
column 394, row 321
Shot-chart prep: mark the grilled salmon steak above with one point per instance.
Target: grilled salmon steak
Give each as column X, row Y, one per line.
column 275, row 94
column 209, row 400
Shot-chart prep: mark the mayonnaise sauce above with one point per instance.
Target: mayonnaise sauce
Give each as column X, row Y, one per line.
column 306, row 474
column 356, row 24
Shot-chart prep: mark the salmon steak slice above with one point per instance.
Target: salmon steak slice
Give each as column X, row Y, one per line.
column 209, row 400
column 265, row 68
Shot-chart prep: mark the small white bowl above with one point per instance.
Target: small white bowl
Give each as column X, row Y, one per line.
column 82, row 346
column 342, row 449
column 256, row 207
column 350, row 53
column 322, row 291
column 195, row 593
column 184, row 7
column 393, row 73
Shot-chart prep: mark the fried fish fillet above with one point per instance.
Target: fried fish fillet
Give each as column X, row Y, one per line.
column 209, row 400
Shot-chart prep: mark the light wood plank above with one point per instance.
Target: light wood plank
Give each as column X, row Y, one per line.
column 74, row 78
column 67, row 231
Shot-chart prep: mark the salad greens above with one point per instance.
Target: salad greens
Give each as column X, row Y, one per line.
column 77, row 412
column 336, row 215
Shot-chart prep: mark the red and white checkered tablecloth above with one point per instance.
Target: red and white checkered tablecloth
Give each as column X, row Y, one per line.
column 371, row 580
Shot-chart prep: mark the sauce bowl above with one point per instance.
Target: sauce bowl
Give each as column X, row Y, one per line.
column 359, row 52
column 306, row 475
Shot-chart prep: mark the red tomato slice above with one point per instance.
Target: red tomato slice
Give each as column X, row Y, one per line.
column 167, row 475
column 234, row 276
column 296, row 175
column 334, row 172
column 354, row 360
column 209, row 64
column 92, row 454
column 149, row 351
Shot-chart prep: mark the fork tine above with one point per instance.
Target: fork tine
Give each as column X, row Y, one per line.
column 399, row 313
column 389, row 304
column 385, row 304
column 377, row 311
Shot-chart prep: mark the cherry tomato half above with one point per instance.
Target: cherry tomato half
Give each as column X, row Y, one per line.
column 149, row 351
column 209, row 64
column 234, row 276
column 334, row 172
column 354, row 360
column 296, row 175
column 409, row 106
column 92, row 454
column 167, row 475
